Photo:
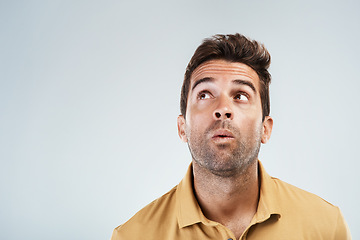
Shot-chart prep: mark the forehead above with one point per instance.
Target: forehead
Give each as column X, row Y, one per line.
column 225, row 70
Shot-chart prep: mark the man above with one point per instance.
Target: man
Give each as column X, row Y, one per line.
column 226, row 193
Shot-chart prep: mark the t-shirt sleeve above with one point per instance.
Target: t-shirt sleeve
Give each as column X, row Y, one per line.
column 342, row 231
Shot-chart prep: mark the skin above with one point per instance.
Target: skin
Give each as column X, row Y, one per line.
column 223, row 128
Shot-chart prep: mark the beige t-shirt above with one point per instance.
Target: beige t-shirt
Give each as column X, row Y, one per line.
column 284, row 212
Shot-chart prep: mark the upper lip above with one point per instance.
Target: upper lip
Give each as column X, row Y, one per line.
column 223, row 133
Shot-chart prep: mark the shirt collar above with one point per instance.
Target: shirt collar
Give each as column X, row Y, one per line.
column 268, row 201
column 189, row 211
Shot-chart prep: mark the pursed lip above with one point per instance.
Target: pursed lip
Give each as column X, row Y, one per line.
column 222, row 133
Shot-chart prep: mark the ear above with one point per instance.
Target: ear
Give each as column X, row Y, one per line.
column 267, row 129
column 181, row 128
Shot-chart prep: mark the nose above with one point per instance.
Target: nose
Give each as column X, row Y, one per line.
column 223, row 110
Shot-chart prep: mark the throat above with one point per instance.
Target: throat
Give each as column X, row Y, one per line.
column 231, row 201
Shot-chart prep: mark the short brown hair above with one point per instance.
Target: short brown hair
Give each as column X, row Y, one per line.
column 233, row 48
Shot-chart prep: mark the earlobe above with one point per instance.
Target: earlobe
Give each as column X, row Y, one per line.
column 181, row 128
column 267, row 129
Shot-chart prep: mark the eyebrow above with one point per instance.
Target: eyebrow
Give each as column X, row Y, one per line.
column 197, row 82
column 237, row 81
column 243, row 82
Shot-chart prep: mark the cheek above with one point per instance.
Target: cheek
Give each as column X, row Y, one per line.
column 201, row 107
column 196, row 123
column 249, row 123
column 252, row 114
column 199, row 113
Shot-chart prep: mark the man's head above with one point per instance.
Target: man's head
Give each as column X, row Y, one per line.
column 224, row 118
column 232, row 48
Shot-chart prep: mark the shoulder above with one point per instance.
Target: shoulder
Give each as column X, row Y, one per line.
column 149, row 218
column 299, row 197
column 309, row 211
column 303, row 202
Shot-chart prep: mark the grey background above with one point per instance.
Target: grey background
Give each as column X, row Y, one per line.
column 89, row 95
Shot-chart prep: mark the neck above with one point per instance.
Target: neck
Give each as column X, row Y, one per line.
column 231, row 201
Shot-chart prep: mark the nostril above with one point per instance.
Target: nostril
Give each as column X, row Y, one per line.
column 217, row 114
column 228, row 115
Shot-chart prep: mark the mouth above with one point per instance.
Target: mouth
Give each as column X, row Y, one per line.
column 223, row 134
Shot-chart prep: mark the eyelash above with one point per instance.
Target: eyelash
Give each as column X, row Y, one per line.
column 201, row 93
column 243, row 94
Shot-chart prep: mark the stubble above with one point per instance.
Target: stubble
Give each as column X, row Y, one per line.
column 228, row 159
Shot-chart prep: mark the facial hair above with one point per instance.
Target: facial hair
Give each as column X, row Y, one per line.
column 228, row 159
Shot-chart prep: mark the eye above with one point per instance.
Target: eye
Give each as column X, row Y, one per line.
column 204, row 95
column 241, row 96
